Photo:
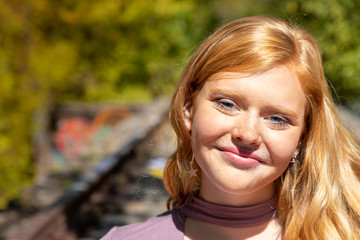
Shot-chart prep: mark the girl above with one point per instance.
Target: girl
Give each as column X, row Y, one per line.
column 261, row 152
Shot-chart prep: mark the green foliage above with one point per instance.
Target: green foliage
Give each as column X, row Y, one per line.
column 335, row 26
column 59, row 50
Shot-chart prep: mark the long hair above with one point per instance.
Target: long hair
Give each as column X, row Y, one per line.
column 318, row 196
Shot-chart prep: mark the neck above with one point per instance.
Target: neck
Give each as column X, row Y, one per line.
column 206, row 220
column 227, row 216
column 243, row 199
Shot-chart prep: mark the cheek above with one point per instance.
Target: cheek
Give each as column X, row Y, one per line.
column 282, row 147
column 209, row 127
column 201, row 134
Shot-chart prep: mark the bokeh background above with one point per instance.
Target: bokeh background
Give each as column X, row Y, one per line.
column 115, row 51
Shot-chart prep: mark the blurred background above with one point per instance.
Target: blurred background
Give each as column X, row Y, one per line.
column 58, row 56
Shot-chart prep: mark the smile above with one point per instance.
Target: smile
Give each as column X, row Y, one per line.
column 240, row 159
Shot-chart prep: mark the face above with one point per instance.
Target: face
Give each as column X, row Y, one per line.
column 244, row 132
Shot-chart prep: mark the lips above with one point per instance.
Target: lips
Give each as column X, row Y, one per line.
column 241, row 158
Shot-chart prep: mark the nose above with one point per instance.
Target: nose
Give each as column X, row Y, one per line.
column 246, row 130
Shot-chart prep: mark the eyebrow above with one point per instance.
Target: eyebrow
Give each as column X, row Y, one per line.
column 228, row 93
column 286, row 111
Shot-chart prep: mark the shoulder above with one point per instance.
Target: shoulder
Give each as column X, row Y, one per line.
column 169, row 225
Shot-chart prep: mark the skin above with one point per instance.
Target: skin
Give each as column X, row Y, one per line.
column 245, row 129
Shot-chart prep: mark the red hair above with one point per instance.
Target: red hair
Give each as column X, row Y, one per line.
column 324, row 204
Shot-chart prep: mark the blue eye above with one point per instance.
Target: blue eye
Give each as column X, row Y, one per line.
column 277, row 119
column 225, row 104
column 278, row 122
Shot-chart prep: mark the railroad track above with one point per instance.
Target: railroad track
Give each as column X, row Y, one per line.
column 119, row 190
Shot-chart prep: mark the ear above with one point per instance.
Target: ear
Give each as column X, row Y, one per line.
column 187, row 112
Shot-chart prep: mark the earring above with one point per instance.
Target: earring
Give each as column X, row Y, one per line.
column 192, row 171
column 293, row 160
